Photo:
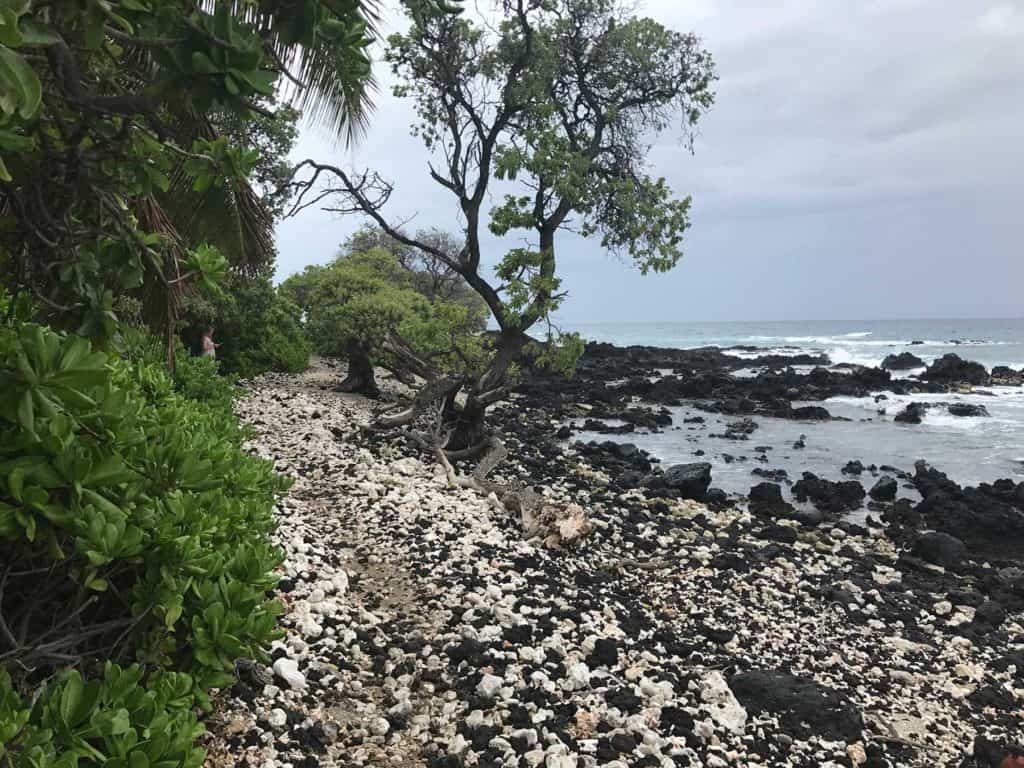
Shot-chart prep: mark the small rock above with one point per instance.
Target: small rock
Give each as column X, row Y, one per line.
column 725, row 709
column 277, row 718
column 379, row 726
column 489, row 686
column 287, row 670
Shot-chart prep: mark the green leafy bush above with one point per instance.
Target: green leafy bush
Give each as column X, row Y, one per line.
column 368, row 308
column 257, row 329
column 133, row 531
column 119, row 720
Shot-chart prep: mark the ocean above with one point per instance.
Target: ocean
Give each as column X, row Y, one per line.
column 864, row 342
column 970, row 450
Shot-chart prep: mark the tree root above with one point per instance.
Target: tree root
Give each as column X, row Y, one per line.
column 358, row 385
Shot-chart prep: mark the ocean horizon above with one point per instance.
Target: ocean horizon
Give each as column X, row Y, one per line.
column 989, row 341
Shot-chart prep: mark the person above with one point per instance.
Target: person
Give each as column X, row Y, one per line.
column 209, row 348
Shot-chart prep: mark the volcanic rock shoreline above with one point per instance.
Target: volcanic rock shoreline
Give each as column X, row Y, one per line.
column 423, row 628
column 609, row 378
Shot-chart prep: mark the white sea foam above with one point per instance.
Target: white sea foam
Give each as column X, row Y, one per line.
column 750, row 354
column 860, row 339
column 843, row 355
column 1003, row 404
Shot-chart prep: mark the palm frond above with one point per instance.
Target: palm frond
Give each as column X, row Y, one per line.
column 230, row 216
column 337, row 92
column 328, row 77
column 162, row 291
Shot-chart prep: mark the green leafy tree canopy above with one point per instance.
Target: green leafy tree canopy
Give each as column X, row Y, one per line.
column 116, row 134
column 558, row 101
column 370, row 309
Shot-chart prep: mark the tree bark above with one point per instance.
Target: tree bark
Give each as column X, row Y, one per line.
column 468, row 422
column 360, row 378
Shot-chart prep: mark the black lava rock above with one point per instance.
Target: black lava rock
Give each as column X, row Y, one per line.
column 940, row 549
column 766, row 499
column 952, row 369
column 884, row 490
column 829, row 496
column 682, row 481
column 802, row 705
column 990, row 613
column 967, row 409
column 904, row 361
column 912, row 414
column 606, row 653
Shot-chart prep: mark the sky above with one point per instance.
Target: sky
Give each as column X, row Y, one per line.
column 863, row 160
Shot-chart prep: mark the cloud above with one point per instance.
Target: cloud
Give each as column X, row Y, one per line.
column 862, row 159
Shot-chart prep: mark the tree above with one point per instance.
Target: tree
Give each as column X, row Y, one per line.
column 370, row 309
column 433, row 278
column 116, row 138
column 557, row 103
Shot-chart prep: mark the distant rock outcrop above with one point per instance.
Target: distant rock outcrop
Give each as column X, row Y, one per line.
column 904, row 361
column 952, row 369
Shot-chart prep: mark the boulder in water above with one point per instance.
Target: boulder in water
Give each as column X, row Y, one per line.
column 989, row 519
column 904, row 361
column 952, row 369
column 1004, row 376
column 682, row 481
column 912, row 414
column 810, row 413
column 828, row 496
column 740, row 429
column 967, row 409
column 766, row 499
column 884, row 490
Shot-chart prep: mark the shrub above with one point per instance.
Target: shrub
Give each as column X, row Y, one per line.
column 257, row 329
column 367, row 308
column 118, row 720
column 133, row 531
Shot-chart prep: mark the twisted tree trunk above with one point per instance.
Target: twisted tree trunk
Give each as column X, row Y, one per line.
column 360, row 378
column 466, row 423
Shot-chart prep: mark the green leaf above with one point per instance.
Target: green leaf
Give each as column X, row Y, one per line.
column 9, row 33
column 35, row 34
column 18, row 73
column 106, row 723
column 71, row 699
column 202, row 64
column 16, row 483
column 110, row 471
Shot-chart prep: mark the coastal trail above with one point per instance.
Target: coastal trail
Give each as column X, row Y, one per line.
column 421, row 629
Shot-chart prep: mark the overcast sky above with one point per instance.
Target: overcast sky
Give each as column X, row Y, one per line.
column 863, row 160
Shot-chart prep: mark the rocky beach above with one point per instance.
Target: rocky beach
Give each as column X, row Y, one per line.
column 642, row 617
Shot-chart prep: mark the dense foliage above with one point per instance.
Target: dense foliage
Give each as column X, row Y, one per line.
column 129, row 131
column 551, row 109
column 372, row 309
column 132, row 532
column 140, row 160
column 255, row 326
